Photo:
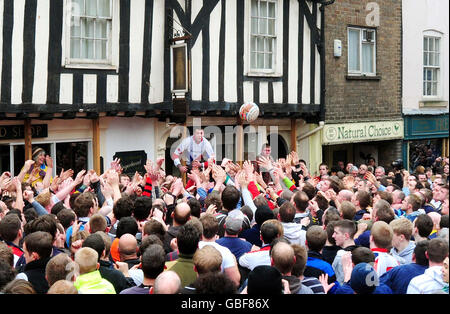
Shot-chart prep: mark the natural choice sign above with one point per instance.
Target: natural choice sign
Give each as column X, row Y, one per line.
column 361, row 132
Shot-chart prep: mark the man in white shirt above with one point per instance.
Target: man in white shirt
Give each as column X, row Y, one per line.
column 431, row 280
column 193, row 149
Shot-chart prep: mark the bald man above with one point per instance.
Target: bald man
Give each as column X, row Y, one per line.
column 128, row 249
column 168, row 282
column 283, row 259
column 180, row 215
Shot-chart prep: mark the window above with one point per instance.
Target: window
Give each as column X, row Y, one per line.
column 361, row 51
column 431, row 65
column 263, row 48
column 91, row 33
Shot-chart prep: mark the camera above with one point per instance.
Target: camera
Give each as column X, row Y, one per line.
column 397, row 164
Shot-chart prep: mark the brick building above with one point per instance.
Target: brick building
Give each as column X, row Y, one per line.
column 363, row 82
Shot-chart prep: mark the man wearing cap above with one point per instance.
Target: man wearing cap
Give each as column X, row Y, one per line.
column 36, row 169
column 231, row 240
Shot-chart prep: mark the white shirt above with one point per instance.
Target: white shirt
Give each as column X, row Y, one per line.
column 228, row 258
column 427, row 283
column 194, row 151
column 253, row 259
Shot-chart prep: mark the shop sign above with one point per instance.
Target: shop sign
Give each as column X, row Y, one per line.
column 132, row 161
column 362, row 131
column 13, row 132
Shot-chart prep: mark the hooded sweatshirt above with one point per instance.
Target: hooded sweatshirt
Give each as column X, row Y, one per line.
column 427, row 283
column 294, row 233
column 405, row 256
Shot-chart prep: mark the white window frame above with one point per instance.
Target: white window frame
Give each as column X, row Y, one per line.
column 112, row 62
column 277, row 56
column 374, row 65
column 439, row 78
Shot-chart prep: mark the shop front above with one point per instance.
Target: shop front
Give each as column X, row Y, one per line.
column 358, row 142
column 426, row 137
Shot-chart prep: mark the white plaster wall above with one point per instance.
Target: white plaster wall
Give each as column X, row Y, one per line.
column 420, row 16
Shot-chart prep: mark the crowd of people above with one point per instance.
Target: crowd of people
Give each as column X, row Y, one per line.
column 258, row 227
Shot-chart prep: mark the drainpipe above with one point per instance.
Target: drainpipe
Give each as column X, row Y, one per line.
column 320, row 127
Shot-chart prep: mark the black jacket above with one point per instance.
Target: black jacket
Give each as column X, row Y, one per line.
column 35, row 271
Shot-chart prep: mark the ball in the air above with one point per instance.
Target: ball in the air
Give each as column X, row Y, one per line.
column 249, row 112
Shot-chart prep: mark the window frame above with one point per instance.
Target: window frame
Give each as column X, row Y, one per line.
column 277, row 51
column 434, row 36
column 112, row 46
column 374, row 53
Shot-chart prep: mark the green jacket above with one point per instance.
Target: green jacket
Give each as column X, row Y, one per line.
column 184, row 267
column 93, row 283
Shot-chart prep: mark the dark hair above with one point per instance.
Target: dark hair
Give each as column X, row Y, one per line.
column 187, row 238
column 230, row 197
column 30, row 214
column 57, row 208
column 269, row 232
column 210, row 226
column 196, row 207
column 310, row 190
column 7, row 274
column 362, row 254
column 45, row 223
column 444, row 221
column 262, row 214
column 437, row 250
column 424, row 225
column 153, row 261
column 214, row 283
column 301, row 201
column 247, row 211
column 95, row 241
column 66, row 216
column 154, row 227
column 363, row 198
column 149, row 240
column 83, row 204
column 124, row 207
column 9, row 227
column 142, row 207
column 39, row 242
column 419, row 252
column 127, row 225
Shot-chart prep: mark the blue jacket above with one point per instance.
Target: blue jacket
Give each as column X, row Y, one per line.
column 347, row 289
column 316, row 266
column 398, row 278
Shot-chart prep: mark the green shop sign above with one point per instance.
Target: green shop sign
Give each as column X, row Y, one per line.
column 362, row 131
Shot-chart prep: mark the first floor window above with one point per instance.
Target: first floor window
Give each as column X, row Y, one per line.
column 431, row 65
column 361, row 51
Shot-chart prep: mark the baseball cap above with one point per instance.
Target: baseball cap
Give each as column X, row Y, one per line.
column 234, row 220
column 364, row 279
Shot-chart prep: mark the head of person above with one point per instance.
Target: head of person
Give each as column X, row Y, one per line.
column 181, row 214
column 348, row 210
column 262, row 214
column 437, row 250
column 316, row 238
column 167, row 282
column 87, row 260
column 230, row 197
column 287, row 212
column 423, row 225
column 153, row 261
column 59, row 267
column 38, row 155
column 233, row 222
column 123, row 207
column 37, row 245
column 127, row 225
column 362, row 254
column 381, row 235
column 344, row 230
column 210, row 226
column 323, row 169
column 86, row 205
column 198, row 135
column 95, row 241
column 362, row 170
column 142, row 208
column 283, row 257
column 362, row 199
column 266, row 150
column 214, row 283
column 207, row 259
column 382, row 211
column 19, row 286
column 379, row 172
column 301, row 257
column 62, row 287
column 11, row 228
column 300, row 200
column 270, row 230
column 364, row 279
column 264, row 280
column 445, row 270
column 128, row 246
column 403, row 229
column 187, row 239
